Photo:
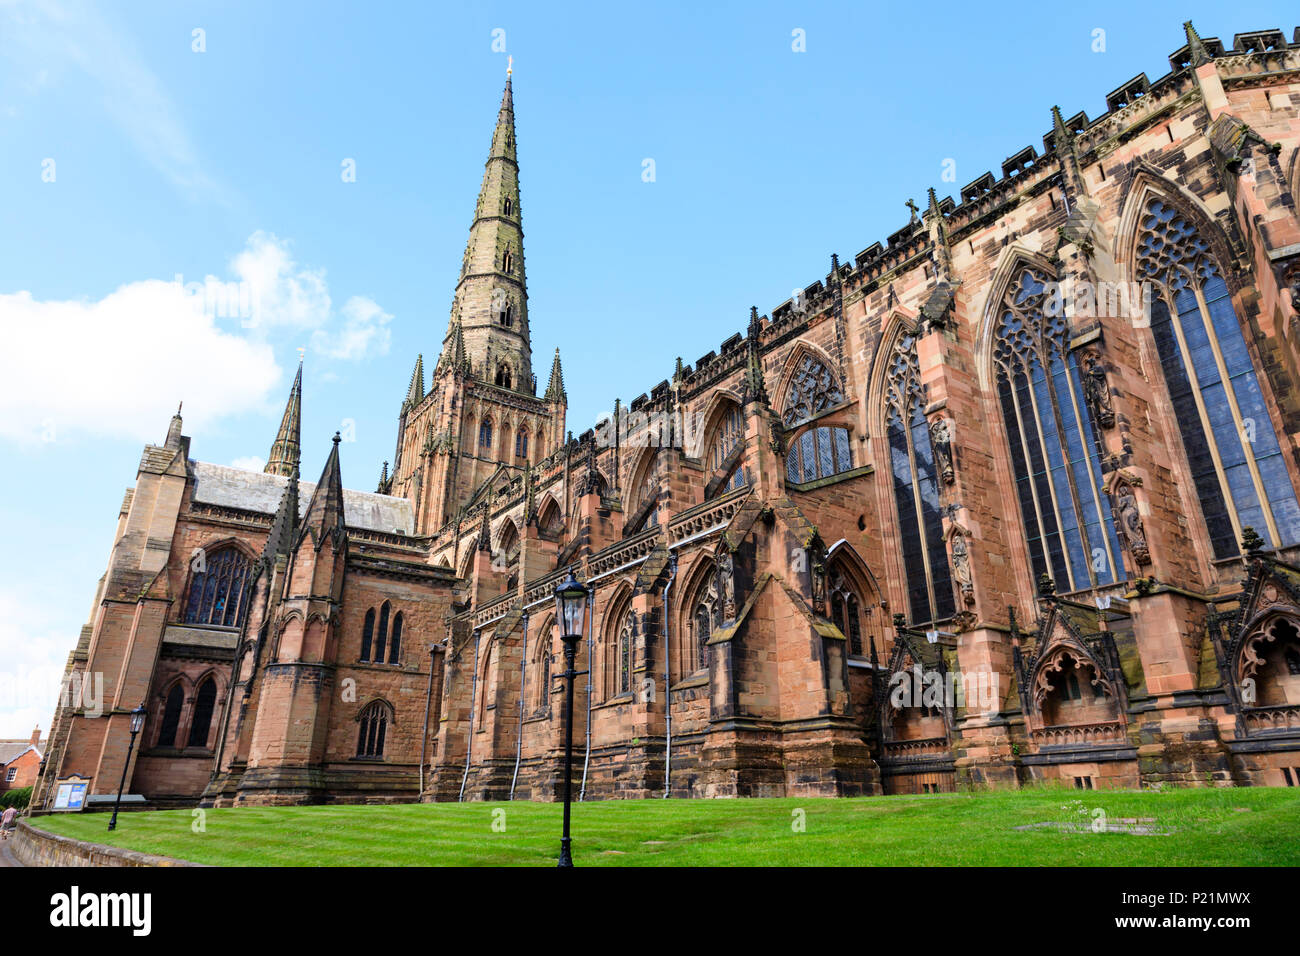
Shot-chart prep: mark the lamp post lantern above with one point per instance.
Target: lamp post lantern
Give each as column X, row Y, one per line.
column 137, row 721
column 571, row 613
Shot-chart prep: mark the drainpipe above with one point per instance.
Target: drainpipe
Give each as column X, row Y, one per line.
column 519, row 734
column 591, row 665
column 428, row 702
column 469, row 740
column 668, row 699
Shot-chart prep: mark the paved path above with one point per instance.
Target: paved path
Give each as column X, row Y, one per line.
column 7, row 858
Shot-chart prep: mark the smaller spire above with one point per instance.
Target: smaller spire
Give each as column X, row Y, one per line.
column 938, row 237
column 555, row 390
column 174, row 430
column 1197, row 52
column 325, row 510
column 286, row 450
column 284, row 525
column 753, row 387
column 485, row 531
column 415, row 391
column 459, row 358
column 385, row 483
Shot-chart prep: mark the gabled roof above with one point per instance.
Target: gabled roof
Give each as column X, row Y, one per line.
column 11, row 750
column 256, row 491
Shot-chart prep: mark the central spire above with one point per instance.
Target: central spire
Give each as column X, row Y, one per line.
column 286, row 450
column 490, row 307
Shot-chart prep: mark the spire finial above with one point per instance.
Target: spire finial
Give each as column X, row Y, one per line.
column 510, row 65
column 1197, row 52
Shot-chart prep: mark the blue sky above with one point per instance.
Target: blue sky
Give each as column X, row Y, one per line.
column 131, row 158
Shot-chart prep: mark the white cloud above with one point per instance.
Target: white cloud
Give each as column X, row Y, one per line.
column 118, row 366
column 282, row 293
column 249, row 463
column 365, row 331
column 33, row 652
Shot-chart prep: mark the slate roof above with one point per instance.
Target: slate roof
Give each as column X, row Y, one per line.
column 13, row 749
column 228, row 487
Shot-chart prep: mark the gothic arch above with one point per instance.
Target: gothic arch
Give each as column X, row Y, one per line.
column 507, row 535
column 715, row 406
column 1013, row 258
column 901, row 321
column 854, row 600
column 1224, row 412
column 616, row 661
column 1148, row 183
column 803, row 349
column 699, row 587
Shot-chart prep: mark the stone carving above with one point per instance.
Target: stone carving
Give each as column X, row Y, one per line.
column 941, row 441
column 1129, row 523
column 1097, row 391
column 727, row 585
column 961, row 566
column 819, row 587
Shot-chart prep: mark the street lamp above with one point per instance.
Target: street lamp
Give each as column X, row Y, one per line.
column 137, row 721
column 571, row 613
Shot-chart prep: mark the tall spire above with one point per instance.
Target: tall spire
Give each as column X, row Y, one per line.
column 490, row 306
column 555, row 390
column 752, row 386
column 286, row 450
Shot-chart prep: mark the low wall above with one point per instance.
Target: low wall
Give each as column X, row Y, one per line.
column 33, row 847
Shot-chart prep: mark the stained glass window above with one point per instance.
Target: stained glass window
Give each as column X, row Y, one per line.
column 818, row 453
column 731, row 432
column 217, row 591
column 205, row 701
column 1054, row 449
column 374, row 727
column 916, row 489
column 812, row 391
column 1235, row 458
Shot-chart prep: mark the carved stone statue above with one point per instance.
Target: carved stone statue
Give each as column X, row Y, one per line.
column 819, row 587
column 1097, row 391
column 941, row 442
column 727, row 585
column 1129, row 520
column 961, row 567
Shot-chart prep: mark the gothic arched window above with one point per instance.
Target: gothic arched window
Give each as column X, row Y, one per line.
column 846, row 611
column 504, row 375
column 507, row 262
column 205, row 702
column 521, row 444
column 171, row 720
column 395, row 646
column 217, row 589
column 916, row 489
column 618, row 656
column 1054, row 451
column 818, row 453
column 368, row 635
column 485, row 434
column 374, row 728
column 1234, row 456
column 812, row 391
column 381, row 636
column 540, row 679
column 509, row 206
column 705, row 619
column 730, row 434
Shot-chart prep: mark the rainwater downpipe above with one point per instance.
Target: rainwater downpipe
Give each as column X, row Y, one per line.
column 469, row 740
column 591, row 625
column 428, row 703
column 668, row 698
column 519, row 733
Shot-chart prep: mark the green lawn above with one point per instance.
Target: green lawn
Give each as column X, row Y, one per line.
column 1209, row 827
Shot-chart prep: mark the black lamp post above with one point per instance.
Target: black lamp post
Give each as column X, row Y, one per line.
column 571, row 613
column 137, row 721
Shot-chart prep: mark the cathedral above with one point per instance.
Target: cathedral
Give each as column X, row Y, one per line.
column 1008, row 498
